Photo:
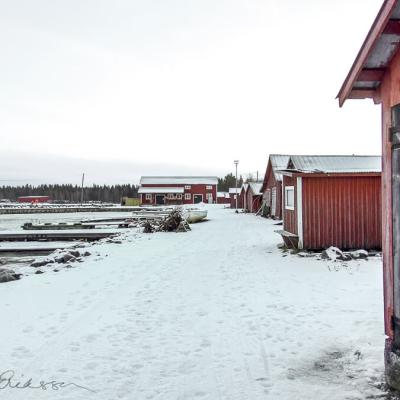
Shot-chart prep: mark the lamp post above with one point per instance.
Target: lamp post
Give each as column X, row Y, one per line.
column 236, row 162
column 83, row 179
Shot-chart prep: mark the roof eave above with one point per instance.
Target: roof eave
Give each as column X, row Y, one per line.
column 368, row 45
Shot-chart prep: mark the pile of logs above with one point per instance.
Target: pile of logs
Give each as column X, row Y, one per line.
column 174, row 222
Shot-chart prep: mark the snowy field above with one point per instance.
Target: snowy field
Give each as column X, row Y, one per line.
column 216, row 313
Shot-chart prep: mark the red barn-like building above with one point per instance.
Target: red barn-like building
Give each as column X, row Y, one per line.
column 375, row 74
column 272, row 184
column 172, row 190
column 232, row 197
column 332, row 201
column 223, row 198
column 242, row 203
column 33, row 199
column 253, row 197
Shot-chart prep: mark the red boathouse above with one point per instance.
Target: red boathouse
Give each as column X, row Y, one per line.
column 232, row 197
column 253, row 197
column 223, row 198
column 332, row 201
column 375, row 74
column 272, row 185
column 33, row 199
column 173, row 190
column 242, row 201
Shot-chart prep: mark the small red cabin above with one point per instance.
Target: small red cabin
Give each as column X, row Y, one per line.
column 173, row 190
column 223, row 198
column 233, row 192
column 272, row 185
column 332, row 201
column 33, row 199
column 253, row 196
column 242, row 203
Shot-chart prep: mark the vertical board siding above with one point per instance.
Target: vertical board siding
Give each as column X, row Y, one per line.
column 344, row 212
column 390, row 96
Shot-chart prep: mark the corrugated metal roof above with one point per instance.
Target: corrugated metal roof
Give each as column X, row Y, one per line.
column 161, row 190
column 183, row 180
column 278, row 162
column 337, row 164
column 255, row 187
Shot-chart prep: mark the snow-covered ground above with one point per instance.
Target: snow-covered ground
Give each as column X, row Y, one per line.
column 216, row 313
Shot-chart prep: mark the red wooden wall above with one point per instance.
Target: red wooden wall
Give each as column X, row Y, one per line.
column 269, row 183
column 195, row 189
column 389, row 97
column 343, row 212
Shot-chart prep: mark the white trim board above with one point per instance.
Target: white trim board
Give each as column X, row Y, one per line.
column 300, row 211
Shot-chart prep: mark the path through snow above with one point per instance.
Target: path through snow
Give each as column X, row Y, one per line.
column 215, row 313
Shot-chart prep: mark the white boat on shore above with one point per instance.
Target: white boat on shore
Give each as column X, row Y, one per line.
column 193, row 216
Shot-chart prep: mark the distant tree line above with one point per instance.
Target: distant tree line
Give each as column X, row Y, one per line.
column 71, row 193
column 106, row 193
column 229, row 181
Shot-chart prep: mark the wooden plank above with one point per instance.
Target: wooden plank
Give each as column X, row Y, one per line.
column 371, row 75
column 392, row 27
column 357, row 94
column 55, row 235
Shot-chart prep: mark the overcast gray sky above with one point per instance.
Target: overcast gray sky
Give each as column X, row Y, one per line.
column 129, row 87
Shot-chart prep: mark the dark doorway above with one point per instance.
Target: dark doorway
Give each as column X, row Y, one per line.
column 197, row 198
column 160, row 199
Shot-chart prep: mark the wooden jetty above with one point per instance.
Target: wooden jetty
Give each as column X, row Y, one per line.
column 62, row 210
column 10, row 250
column 74, row 226
column 117, row 224
column 54, row 235
column 29, row 226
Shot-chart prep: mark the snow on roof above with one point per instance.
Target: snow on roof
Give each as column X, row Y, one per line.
column 161, row 190
column 221, row 194
column 233, row 190
column 255, row 187
column 244, row 187
column 337, row 164
column 278, row 162
column 189, row 180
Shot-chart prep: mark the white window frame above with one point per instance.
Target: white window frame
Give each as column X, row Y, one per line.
column 208, row 187
column 273, row 201
column 148, row 196
column 179, row 196
column 188, row 187
column 188, row 196
column 170, row 196
column 289, row 189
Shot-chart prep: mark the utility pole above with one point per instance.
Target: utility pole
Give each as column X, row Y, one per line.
column 83, row 179
column 236, row 162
